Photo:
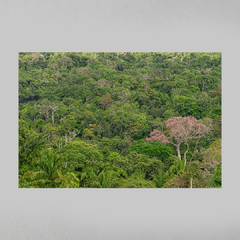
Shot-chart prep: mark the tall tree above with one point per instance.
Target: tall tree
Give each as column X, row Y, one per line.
column 48, row 108
column 181, row 129
column 45, row 108
column 53, row 107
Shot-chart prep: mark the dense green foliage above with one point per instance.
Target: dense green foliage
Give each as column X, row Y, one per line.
column 152, row 149
column 84, row 119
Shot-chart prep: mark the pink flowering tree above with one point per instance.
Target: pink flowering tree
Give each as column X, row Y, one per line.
column 157, row 136
column 181, row 130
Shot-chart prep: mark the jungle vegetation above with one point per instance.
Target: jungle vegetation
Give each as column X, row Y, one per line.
column 119, row 120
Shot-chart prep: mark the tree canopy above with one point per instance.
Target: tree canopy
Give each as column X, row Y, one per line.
column 119, row 119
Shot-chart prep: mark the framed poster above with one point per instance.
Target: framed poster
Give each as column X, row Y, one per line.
column 123, row 27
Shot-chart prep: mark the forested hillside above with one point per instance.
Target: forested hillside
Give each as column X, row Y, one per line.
column 119, row 120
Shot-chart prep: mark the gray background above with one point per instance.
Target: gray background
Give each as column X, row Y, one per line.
column 123, row 25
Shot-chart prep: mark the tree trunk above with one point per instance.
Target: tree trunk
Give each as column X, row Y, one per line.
column 52, row 117
column 203, row 86
column 191, row 182
column 178, row 151
column 185, row 155
column 66, row 165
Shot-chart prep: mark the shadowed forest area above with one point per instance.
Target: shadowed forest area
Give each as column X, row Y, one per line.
column 120, row 120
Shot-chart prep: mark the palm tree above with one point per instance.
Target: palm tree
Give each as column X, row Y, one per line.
column 50, row 166
column 49, row 170
column 105, row 179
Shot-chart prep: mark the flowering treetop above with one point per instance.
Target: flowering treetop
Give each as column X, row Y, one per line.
column 157, row 136
column 181, row 129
